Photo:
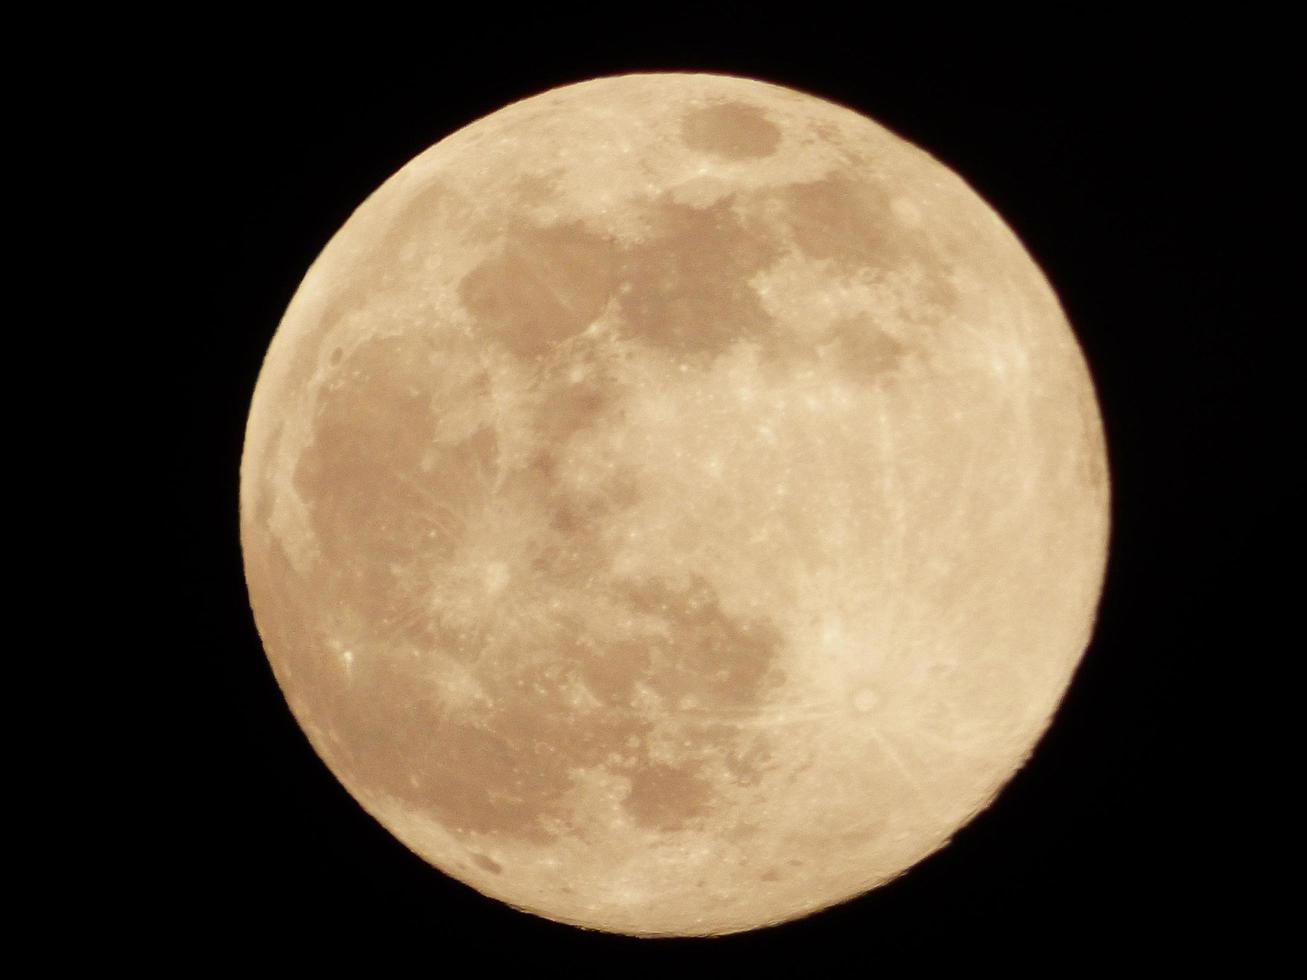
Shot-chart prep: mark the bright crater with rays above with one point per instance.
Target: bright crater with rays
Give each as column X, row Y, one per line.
column 673, row 504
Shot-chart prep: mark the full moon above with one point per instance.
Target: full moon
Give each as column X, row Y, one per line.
column 674, row 504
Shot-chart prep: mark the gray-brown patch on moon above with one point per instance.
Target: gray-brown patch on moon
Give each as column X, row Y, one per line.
column 505, row 768
column 733, row 130
column 860, row 350
column 640, row 498
column 854, row 224
column 394, row 259
column 688, row 284
column 544, row 285
column 666, row 797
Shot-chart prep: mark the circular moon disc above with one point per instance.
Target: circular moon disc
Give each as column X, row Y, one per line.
column 674, row 504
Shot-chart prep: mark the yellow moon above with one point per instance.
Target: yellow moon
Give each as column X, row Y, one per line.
column 674, row 504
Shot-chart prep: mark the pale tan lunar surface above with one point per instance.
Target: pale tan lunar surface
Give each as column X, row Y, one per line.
column 674, row 504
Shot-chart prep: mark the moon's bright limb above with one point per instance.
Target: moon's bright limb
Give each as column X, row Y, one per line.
column 674, row 504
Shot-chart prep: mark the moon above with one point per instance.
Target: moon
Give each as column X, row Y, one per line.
column 674, row 504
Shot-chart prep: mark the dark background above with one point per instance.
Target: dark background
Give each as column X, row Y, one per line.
column 1124, row 159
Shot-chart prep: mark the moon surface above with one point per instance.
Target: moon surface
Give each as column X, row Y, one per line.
column 674, row 504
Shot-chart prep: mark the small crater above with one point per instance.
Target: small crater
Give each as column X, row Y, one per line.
column 732, row 130
column 489, row 864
